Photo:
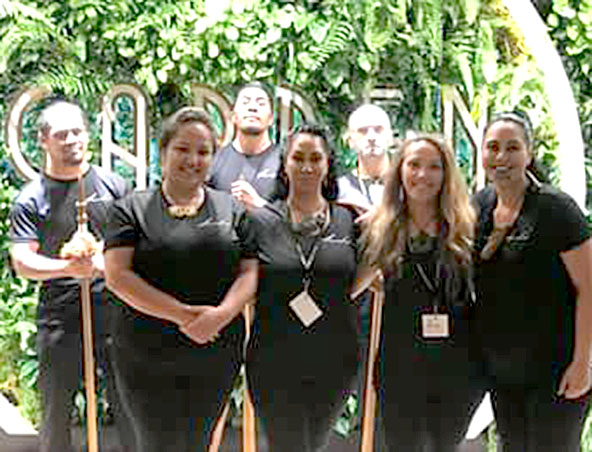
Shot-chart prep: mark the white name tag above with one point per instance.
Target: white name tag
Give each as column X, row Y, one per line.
column 305, row 308
column 435, row 326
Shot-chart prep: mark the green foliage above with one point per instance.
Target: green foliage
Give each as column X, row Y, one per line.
column 335, row 51
column 18, row 302
column 570, row 26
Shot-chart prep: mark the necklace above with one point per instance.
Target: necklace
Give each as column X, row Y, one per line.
column 310, row 224
column 184, row 210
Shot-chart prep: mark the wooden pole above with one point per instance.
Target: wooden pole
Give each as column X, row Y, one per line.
column 218, row 432
column 370, row 396
column 249, row 428
column 87, row 336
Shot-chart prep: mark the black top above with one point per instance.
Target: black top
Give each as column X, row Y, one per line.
column 527, row 297
column 267, row 235
column 45, row 211
column 408, row 296
column 260, row 170
column 194, row 259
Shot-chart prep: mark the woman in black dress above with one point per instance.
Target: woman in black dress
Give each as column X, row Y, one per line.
column 533, row 276
column 420, row 237
column 301, row 359
column 172, row 256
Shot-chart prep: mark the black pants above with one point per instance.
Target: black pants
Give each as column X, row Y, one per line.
column 59, row 346
column 174, row 404
column 427, row 401
column 297, row 400
column 529, row 416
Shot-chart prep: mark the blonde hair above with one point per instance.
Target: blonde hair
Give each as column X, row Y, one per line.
column 384, row 238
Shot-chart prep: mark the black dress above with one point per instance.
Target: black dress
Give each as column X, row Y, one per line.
column 173, row 387
column 299, row 375
column 526, row 319
column 426, row 387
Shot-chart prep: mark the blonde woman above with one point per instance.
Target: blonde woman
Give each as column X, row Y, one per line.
column 420, row 236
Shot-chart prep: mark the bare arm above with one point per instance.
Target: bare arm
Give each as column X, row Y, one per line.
column 577, row 378
column 207, row 325
column 138, row 293
column 28, row 263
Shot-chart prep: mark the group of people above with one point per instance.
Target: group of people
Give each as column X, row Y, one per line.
column 489, row 295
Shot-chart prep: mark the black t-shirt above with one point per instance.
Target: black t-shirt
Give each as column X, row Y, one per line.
column 527, row 300
column 408, row 296
column 260, row 170
column 194, row 259
column 45, row 211
column 267, row 235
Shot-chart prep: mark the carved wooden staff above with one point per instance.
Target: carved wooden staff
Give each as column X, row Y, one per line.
column 87, row 334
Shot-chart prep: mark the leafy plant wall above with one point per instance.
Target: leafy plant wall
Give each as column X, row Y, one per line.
column 335, row 51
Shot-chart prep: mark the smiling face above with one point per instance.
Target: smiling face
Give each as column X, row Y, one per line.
column 188, row 155
column 422, row 172
column 505, row 152
column 252, row 113
column 65, row 136
column 307, row 162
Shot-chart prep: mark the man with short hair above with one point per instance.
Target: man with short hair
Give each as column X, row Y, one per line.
column 248, row 167
column 370, row 135
column 44, row 218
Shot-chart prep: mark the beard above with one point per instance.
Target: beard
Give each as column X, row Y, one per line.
column 73, row 158
column 252, row 130
column 373, row 151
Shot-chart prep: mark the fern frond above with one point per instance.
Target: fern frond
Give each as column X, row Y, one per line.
column 338, row 38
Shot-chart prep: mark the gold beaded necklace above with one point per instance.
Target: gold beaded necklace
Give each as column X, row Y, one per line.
column 184, row 210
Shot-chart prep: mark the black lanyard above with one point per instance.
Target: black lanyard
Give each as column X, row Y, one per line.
column 432, row 286
column 307, row 262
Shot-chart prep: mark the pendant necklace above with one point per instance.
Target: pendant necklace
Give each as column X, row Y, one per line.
column 184, row 210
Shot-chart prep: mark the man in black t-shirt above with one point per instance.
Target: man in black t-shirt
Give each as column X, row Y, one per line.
column 370, row 135
column 248, row 167
column 43, row 219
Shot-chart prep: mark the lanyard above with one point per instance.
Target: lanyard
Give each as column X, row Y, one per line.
column 307, row 261
column 432, row 286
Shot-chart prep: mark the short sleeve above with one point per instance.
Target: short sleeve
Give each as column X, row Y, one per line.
column 246, row 230
column 569, row 227
column 121, row 224
column 24, row 221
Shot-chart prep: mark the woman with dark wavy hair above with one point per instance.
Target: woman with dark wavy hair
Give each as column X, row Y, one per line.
column 534, row 275
column 301, row 359
column 173, row 257
column 420, row 236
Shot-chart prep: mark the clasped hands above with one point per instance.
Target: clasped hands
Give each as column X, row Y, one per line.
column 202, row 323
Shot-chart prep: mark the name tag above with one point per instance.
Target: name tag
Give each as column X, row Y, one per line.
column 305, row 308
column 435, row 326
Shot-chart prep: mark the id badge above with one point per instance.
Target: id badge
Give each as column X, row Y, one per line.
column 435, row 326
column 305, row 308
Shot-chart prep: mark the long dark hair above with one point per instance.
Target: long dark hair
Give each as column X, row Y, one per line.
column 329, row 189
column 520, row 118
